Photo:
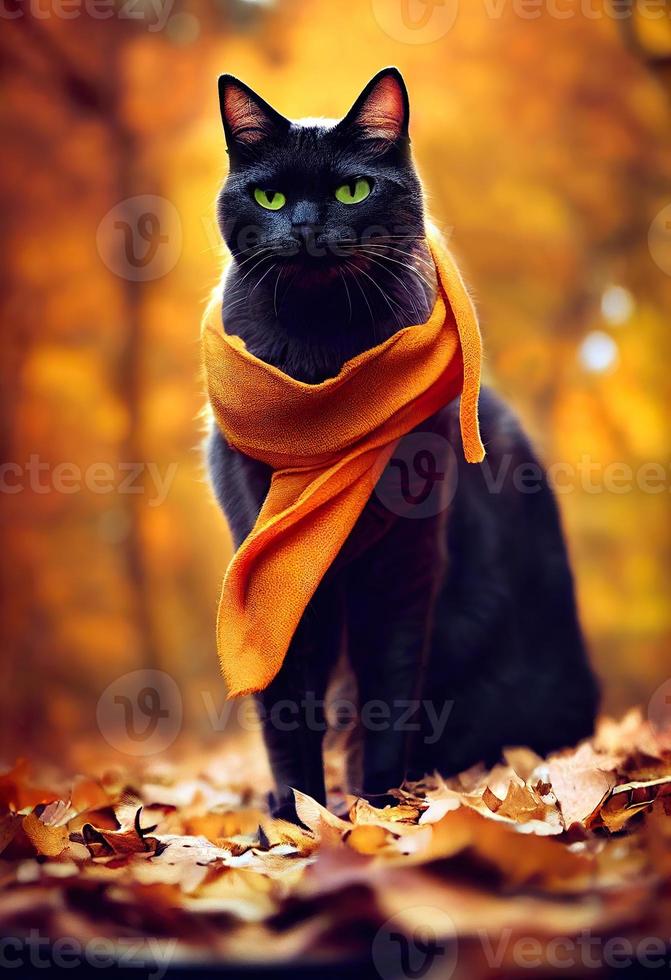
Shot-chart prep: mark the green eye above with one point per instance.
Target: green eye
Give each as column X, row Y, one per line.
column 270, row 200
column 354, row 191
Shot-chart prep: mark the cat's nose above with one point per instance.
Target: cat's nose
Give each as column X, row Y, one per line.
column 305, row 233
column 304, row 224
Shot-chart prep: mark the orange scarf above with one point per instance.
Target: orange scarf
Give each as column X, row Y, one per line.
column 327, row 444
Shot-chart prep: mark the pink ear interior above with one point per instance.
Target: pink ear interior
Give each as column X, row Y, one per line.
column 246, row 118
column 383, row 111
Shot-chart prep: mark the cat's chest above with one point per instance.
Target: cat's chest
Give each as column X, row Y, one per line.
column 412, row 497
column 410, row 500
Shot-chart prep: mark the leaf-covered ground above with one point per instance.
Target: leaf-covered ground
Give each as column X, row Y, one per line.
column 497, row 864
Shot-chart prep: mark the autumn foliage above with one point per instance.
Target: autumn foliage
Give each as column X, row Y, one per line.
column 575, row 844
column 546, row 172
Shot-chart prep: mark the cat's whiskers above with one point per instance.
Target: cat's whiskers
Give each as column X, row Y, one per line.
column 349, row 298
column 269, row 243
column 379, row 257
column 402, row 251
column 286, row 292
column 406, row 265
column 415, row 308
column 231, row 306
column 260, row 280
column 236, row 286
column 247, row 274
column 277, row 282
column 354, row 269
column 384, row 295
column 381, row 238
column 255, row 255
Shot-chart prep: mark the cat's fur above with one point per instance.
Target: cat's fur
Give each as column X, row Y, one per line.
column 469, row 610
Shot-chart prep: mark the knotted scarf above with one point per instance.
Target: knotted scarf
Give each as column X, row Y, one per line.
column 327, row 445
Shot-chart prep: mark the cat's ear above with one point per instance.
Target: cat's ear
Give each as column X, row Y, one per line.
column 382, row 111
column 248, row 119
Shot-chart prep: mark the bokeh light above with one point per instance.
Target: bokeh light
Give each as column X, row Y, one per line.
column 598, row 351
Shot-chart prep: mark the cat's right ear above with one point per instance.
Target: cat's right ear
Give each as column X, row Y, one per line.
column 248, row 119
column 381, row 113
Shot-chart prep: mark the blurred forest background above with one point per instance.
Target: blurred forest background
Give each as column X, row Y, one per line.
column 545, row 147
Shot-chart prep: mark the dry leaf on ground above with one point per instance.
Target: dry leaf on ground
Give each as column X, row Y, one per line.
column 539, row 847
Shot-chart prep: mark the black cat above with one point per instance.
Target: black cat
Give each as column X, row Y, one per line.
column 460, row 624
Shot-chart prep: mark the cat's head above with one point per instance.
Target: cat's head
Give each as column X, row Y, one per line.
column 312, row 193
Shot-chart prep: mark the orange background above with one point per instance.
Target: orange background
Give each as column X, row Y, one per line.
column 545, row 148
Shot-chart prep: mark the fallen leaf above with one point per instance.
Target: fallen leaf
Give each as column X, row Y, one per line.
column 49, row 841
column 580, row 788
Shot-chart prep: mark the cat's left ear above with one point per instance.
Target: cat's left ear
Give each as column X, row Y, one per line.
column 382, row 111
column 249, row 121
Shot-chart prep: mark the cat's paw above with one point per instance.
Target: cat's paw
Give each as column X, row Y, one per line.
column 284, row 810
column 380, row 800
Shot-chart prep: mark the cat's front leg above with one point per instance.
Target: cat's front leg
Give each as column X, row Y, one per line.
column 391, row 594
column 292, row 707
